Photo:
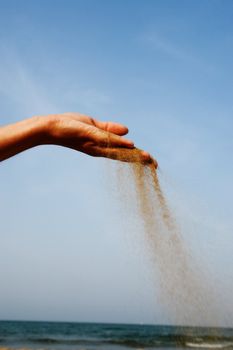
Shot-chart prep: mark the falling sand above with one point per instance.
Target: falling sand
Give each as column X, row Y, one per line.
column 185, row 291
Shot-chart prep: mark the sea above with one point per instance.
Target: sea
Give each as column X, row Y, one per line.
column 96, row 336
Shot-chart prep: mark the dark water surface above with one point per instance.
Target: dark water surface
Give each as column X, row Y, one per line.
column 91, row 336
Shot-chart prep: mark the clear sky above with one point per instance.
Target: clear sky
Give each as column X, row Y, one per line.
column 164, row 68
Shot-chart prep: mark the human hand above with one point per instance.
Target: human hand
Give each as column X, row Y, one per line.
column 77, row 131
column 94, row 137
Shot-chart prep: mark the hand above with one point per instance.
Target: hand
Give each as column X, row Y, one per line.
column 73, row 130
column 95, row 138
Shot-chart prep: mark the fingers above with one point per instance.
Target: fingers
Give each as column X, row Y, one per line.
column 111, row 140
column 114, row 128
column 126, row 155
column 113, row 146
column 104, row 139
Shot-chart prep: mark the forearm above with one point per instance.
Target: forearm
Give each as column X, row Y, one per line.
column 20, row 136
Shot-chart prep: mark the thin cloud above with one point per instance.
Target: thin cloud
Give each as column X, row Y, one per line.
column 164, row 45
column 30, row 94
column 169, row 48
column 88, row 98
column 19, row 86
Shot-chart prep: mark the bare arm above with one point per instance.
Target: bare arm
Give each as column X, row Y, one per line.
column 73, row 130
column 18, row 137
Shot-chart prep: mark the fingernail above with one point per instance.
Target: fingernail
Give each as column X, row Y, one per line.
column 146, row 155
column 147, row 158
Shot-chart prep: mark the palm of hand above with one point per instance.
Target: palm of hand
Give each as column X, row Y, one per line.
column 93, row 137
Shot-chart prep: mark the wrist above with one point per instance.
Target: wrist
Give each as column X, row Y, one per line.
column 20, row 136
column 43, row 129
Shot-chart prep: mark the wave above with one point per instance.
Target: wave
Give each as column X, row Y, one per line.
column 135, row 341
column 209, row 345
column 26, row 335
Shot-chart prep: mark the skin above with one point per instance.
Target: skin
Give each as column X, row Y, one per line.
column 73, row 130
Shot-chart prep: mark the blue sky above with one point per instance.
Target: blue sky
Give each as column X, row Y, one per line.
column 163, row 68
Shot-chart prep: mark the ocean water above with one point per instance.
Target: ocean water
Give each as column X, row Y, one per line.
column 91, row 336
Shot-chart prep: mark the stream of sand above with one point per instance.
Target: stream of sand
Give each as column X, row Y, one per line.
column 185, row 291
